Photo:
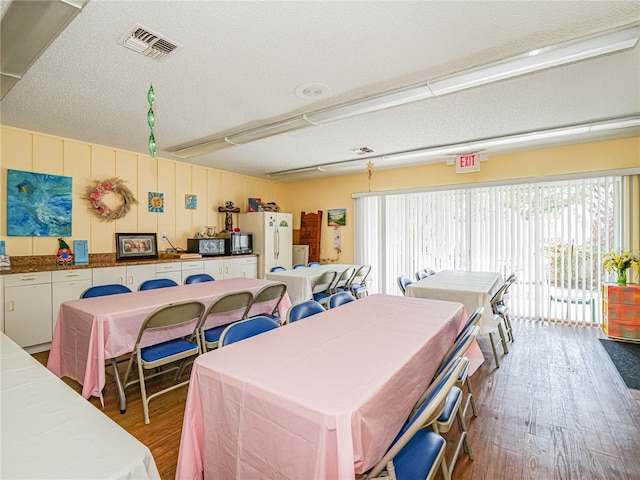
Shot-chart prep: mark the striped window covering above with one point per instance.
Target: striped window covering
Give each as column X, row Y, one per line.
column 551, row 234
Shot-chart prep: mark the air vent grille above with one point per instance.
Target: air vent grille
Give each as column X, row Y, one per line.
column 150, row 44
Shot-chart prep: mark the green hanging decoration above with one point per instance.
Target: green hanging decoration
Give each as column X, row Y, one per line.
column 152, row 145
column 151, row 120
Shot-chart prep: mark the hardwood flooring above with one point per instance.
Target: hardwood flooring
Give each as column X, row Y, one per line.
column 555, row 409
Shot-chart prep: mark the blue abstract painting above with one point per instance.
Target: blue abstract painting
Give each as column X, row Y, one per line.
column 38, row 205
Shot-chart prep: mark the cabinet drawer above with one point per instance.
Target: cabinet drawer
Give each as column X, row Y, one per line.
column 168, row 267
column 249, row 260
column 193, row 265
column 71, row 275
column 20, row 279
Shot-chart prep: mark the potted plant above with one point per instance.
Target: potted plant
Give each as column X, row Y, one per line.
column 620, row 262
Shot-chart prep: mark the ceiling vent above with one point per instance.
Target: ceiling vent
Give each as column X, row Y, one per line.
column 142, row 40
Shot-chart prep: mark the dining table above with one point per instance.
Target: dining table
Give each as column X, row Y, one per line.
column 321, row 398
column 91, row 331
column 473, row 289
column 49, row 431
column 300, row 281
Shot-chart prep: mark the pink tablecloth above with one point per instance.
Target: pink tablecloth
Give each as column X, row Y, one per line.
column 92, row 330
column 321, row 398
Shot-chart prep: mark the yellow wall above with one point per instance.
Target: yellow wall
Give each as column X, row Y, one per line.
column 87, row 163
column 335, row 192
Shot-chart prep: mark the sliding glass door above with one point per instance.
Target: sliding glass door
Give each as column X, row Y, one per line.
column 551, row 234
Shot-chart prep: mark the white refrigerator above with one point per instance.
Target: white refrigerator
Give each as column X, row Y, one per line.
column 272, row 238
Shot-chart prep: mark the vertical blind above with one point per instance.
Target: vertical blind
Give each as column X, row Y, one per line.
column 551, row 234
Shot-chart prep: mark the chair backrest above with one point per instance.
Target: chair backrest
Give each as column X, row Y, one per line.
column 343, row 279
column 303, row 310
column 198, row 278
column 360, row 277
column 277, row 269
column 299, row 265
column 426, row 413
column 245, row 329
column 268, row 293
column 430, row 271
column 497, row 297
column 173, row 314
column 157, row 283
column 103, row 290
column 230, row 302
column 324, row 282
column 471, row 322
column 314, row 264
column 340, row 298
column 459, row 348
column 421, row 274
column 404, row 282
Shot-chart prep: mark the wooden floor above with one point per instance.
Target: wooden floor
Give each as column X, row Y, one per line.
column 555, row 409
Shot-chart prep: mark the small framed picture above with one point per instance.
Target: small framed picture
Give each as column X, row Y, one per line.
column 136, row 246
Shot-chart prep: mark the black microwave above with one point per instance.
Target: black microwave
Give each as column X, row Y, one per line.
column 206, row 246
column 239, row 243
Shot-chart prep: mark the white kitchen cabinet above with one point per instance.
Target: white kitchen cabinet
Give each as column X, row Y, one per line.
column 131, row 275
column 171, row 270
column 249, row 267
column 67, row 285
column 2, row 303
column 191, row 267
column 221, row 268
column 27, row 308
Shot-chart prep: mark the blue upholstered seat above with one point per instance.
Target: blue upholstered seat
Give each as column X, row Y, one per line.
column 103, row 290
column 157, row 283
column 198, row 278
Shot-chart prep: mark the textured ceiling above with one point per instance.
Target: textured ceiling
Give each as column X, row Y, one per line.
column 240, row 63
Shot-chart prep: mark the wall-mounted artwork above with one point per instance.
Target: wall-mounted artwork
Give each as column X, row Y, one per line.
column 190, row 201
column 38, row 205
column 337, row 217
column 156, row 202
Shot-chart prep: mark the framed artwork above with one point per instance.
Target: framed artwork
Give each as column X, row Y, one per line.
column 156, row 202
column 337, row 217
column 254, row 205
column 38, row 204
column 136, row 246
column 190, row 201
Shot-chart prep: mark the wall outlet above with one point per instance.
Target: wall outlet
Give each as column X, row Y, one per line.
column 164, row 235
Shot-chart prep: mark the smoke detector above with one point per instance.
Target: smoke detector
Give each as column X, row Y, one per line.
column 362, row 150
column 150, row 44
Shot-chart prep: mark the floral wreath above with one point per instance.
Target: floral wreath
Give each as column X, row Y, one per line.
column 114, row 185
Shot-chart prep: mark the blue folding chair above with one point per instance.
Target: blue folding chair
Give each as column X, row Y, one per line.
column 198, row 278
column 303, row 310
column 340, row 298
column 157, row 283
column 246, row 329
column 103, row 290
column 277, row 269
column 314, row 264
column 299, row 265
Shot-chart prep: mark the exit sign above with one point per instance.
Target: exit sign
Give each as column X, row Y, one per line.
column 468, row 163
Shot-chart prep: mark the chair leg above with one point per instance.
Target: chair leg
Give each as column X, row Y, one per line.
column 503, row 338
column 495, row 352
column 143, row 391
column 472, row 399
column 507, row 320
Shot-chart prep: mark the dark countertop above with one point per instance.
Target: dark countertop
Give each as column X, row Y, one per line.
column 45, row 263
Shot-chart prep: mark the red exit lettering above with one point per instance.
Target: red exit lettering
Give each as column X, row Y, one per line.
column 467, row 160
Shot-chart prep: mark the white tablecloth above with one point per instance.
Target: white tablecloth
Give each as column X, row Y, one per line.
column 321, row 398
column 472, row 289
column 300, row 280
column 49, row 431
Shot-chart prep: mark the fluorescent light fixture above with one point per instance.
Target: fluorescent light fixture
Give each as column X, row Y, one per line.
column 269, row 130
column 295, row 171
column 202, row 148
column 615, row 125
column 389, row 99
column 26, row 30
column 448, row 152
column 537, row 60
